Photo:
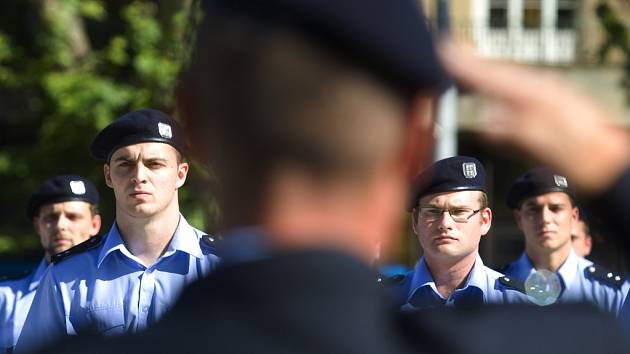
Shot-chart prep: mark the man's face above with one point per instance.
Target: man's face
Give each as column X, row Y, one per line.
column 581, row 241
column 64, row 225
column 440, row 235
column 546, row 221
column 145, row 178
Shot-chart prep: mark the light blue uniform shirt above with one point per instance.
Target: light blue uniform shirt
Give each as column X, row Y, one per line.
column 107, row 290
column 481, row 287
column 16, row 296
column 577, row 283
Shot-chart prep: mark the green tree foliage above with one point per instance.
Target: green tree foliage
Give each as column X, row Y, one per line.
column 67, row 69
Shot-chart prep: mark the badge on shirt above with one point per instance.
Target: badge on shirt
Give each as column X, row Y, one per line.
column 470, row 169
column 165, row 130
column 77, row 187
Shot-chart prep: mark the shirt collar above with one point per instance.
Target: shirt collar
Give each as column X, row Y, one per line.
column 477, row 276
column 569, row 269
column 422, row 277
column 185, row 239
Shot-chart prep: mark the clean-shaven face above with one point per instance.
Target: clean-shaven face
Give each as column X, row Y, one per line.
column 547, row 221
column 145, row 178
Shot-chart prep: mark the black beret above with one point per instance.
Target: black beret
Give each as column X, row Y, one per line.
column 62, row 188
column 390, row 37
column 535, row 182
column 457, row 173
column 142, row 126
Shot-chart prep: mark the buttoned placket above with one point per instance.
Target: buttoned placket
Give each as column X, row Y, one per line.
column 147, row 289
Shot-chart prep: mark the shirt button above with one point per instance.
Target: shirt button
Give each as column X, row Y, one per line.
column 145, row 308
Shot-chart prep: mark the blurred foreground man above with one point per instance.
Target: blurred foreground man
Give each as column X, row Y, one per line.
column 127, row 279
column 64, row 213
column 450, row 215
column 544, row 209
column 315, row 115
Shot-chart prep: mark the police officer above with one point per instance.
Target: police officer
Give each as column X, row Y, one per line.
column 450, row 214
column 581, row 238
column 127, row 279
column 544, row 208
column 64, row 213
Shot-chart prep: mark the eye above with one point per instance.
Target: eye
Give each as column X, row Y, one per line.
column 50, row 218
column 460, row 211
column 154, row 164
column 124, row 164
column 431, row 212
column 532, row 209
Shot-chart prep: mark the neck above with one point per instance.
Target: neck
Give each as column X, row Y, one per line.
column 552, row 260
column 354, row 218
column 148, row 237
column 449, row 275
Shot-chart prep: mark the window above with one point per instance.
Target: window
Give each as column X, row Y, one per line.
column 566, row 14
column 498, row 14
column 531, row 14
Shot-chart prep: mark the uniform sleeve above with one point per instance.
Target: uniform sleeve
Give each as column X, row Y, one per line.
column 6, row 331
column 46, row 319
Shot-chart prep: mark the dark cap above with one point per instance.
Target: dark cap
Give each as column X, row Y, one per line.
column 457, row 173
column 142, row 126
column 391, row 38
column 535, row 182
column 62, row 188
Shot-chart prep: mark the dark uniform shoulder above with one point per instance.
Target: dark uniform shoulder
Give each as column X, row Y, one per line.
column 603, row 275
column 511, row 283
column 503, row 269
column 16, row 276
column 391, row 281
column 210, row 240
column 80, row 248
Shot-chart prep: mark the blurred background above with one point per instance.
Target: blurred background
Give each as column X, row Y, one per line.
column 69, row 67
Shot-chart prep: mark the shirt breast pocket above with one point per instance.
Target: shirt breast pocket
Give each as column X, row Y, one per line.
column 106, row 320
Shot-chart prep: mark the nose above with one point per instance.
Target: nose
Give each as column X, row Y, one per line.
column 546, row 215
column 139, row 175
column 446, row 221
column 62, row 222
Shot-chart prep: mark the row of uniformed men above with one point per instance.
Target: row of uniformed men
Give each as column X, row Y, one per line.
column 450, row 215
column 128, row 278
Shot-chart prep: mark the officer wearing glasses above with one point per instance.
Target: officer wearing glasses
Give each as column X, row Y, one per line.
column 543, row 204
column 450, row 214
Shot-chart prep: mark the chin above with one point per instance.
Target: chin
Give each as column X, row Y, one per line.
column 141, row 210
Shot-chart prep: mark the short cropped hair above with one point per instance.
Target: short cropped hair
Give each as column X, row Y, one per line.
column 272, row 98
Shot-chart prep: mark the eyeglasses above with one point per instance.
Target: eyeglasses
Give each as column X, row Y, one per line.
column 461, row 215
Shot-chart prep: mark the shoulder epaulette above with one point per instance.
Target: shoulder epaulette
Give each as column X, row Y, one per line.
column 16, row 276
column 80, row 248
column 603, row 275
column 210, row 241
column 512, row 283
column 392, row 281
